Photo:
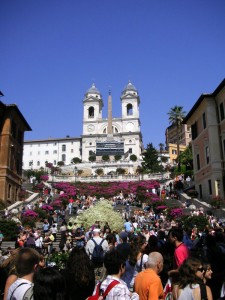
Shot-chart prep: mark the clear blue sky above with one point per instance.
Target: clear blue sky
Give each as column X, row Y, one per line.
column 52, row 50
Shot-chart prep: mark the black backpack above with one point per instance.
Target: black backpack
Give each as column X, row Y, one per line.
column 98, row 253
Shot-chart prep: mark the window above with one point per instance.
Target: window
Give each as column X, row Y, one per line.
column 91, row 112
column 54, row 151
column 130, row 150
column 30, row 153
column 207, row 154
column 198, row 161
column 38, row 163
column 71, row 150
column 54, row 162
column 55, row 144
column 174, row 151
column 46, row 152
column 63, row 147
column 9, row 191
column 204, row 120
column 194, row 130
column 210, row 186
column 129, row 109
column 31, row 163
column 38, row 152
column 63, row 157
column 221, row 111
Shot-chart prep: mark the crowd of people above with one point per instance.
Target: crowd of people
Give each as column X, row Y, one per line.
column 151, row 258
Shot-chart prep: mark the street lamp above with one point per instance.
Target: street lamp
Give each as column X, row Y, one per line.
column 75, row 173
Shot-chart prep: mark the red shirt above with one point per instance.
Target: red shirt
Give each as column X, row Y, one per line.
column 181, row 253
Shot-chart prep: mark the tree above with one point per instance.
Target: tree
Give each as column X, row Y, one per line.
column 75, row 160
column 92, row 158
column 99, row 172
column 150, row 157
column 60, row 163
column 133, row 157
column 105, row 157
column 176, row 116
column 120, row 171
column 186, row 158
column 117, row 157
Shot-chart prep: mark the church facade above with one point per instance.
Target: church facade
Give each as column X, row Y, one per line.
column 124, row 131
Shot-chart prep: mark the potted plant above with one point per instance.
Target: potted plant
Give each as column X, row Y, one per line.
column 192, row 193
column 216, row 201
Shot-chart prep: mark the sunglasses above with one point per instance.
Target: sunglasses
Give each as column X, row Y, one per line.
column 201, row 269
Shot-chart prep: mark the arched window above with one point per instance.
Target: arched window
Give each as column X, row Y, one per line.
column 63, row 157
column 91, row 112
column 129, row 109
column 63, row 147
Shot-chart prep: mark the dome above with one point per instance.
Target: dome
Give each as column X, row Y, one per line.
column 130, row 87
column 93, row 90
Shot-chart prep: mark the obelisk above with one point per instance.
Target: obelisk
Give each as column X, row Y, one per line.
column 110, row 128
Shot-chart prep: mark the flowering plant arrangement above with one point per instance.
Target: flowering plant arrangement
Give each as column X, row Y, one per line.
column 161, row 207
column 175, row 213
column 22, row 194
column 102, row 211
column 216, row 201
column 58, row 259
column 44, row 177
column 47, row 207
column 30, row 213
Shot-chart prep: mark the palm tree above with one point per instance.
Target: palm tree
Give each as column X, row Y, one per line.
column 176, row 116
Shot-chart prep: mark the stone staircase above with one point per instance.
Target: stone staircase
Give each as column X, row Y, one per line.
column 6, row 244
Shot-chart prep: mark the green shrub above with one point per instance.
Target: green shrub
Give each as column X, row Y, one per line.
column 191, row 221
column 28, row 222
column 41, row 213
column 8, row 229
column 2, row 205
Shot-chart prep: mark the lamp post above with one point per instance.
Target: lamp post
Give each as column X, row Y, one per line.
column 75, row 174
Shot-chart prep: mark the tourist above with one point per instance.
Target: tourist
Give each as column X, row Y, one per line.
column 26, row 264
column 123, row 247
column 79, row 275
column 90, row 246
column 181, row 251
column 136, row 260
column 147, row 283
column 191, row 278
column 115, row 267
column 49, row 284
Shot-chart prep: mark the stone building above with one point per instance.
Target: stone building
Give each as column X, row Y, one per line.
column 207, row 121
column 12, row 128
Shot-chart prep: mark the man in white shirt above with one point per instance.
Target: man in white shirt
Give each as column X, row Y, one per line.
column 90, row 248
column 26, row 265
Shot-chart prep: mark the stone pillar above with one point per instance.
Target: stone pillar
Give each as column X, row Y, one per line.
column 110, row 129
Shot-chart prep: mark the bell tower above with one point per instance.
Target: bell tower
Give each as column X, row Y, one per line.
column 92, row 112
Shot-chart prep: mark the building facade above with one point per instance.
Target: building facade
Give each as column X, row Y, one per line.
column 207, row 121
column 171, row 140
column 96, row 129
column 12, row 128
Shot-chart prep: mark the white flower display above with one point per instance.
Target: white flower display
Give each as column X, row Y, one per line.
column 103, row 212
column 14, row 211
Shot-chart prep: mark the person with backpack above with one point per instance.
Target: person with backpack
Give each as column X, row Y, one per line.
column 113, row 287
column 96, row 248
column 26, row 264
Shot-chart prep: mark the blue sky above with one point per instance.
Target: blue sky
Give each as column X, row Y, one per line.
column 51, row 51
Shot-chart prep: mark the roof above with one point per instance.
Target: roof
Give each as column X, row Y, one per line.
column 53, row 140
column 130, row 87
column 14, row 107
column 201, row 98
column 93, row 90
